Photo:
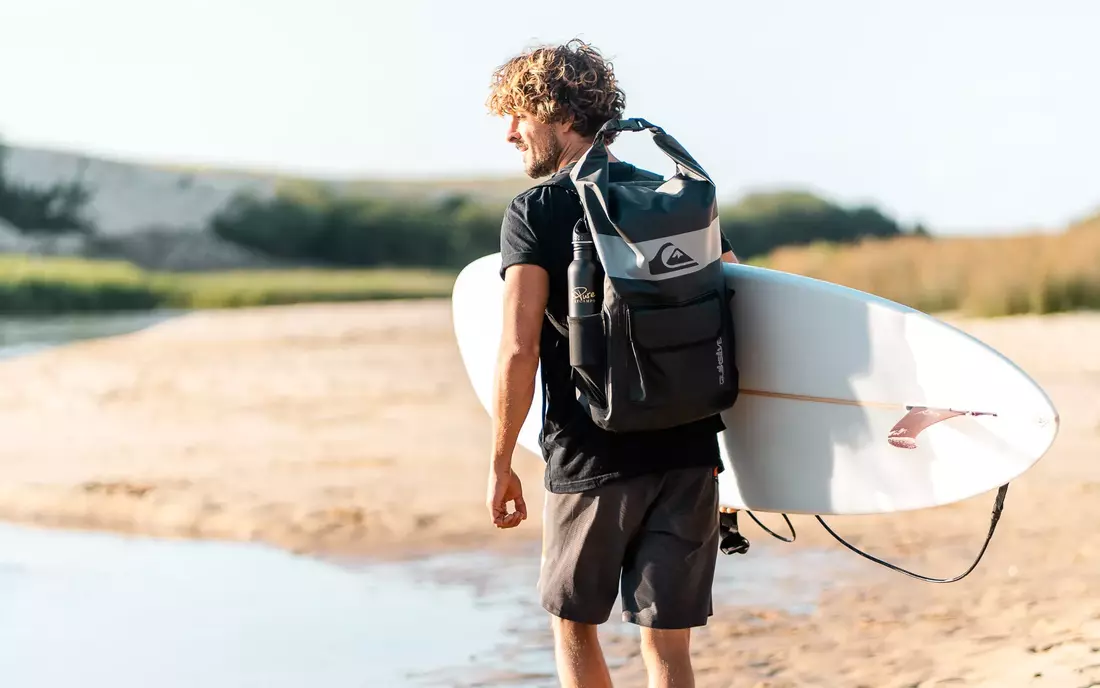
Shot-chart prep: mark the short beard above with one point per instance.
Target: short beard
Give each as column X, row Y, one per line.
column 545, row 164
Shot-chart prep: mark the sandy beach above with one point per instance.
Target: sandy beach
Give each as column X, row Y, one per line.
column 351, row 428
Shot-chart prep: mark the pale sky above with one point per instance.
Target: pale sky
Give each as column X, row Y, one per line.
column 972, row 116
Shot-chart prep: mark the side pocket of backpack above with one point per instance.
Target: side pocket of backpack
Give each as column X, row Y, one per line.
column 588, row 355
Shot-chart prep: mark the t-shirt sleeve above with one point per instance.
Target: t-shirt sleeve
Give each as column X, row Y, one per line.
column 725, row 243
column 520, row 231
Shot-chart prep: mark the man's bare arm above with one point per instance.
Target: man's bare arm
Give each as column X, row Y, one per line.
column 526, row 289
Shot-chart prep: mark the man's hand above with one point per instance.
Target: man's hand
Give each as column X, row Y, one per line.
column 504, row 488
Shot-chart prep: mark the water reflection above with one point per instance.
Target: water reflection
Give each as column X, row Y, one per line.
column 99, row 609
column 22, row 335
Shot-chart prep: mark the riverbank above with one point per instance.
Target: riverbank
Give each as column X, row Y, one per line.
column 49, row 285
column 350, row 429
column 287, row 425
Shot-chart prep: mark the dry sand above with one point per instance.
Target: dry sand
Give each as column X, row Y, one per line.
column 351, row 428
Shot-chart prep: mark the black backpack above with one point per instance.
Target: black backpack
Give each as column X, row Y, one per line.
column 650, row 330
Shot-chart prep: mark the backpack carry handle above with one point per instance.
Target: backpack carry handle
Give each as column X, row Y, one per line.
column 671, row 147
column 631, row 124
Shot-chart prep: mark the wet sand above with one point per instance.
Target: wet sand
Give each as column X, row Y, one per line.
column 351, row 429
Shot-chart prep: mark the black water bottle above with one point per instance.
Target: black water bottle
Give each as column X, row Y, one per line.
column 585, row 278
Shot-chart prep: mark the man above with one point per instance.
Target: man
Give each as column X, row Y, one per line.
column 640, row 505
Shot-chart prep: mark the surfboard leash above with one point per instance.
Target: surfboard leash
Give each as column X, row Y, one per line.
column 735, row 543
column 769, row 530
column 998, row 507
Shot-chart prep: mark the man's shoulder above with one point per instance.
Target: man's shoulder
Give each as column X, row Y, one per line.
column 541, row 199
column 552, row 189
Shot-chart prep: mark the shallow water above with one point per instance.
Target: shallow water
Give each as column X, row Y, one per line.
column 104, row 609
column 24, row 335
column 780, row 576
column 84, row 608
column 100, row 609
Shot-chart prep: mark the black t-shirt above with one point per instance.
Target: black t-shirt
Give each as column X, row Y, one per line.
column 538, row 229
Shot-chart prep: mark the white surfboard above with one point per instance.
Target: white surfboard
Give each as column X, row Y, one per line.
column 849, row 403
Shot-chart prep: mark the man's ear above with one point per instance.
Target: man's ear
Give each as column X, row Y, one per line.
column 565, row 125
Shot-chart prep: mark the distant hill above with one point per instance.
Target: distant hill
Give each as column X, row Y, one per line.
column 131, row 197
column 1089, row 224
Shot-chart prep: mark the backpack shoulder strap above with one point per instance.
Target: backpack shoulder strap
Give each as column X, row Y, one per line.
column 559, row 179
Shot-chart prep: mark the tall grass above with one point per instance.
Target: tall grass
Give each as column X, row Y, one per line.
column 264, row 288
column 976, row 276
column 54, row 285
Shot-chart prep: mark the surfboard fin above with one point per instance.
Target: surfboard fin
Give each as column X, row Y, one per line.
column 918, row 419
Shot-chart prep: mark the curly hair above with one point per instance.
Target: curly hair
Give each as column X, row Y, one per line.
column 557, row 82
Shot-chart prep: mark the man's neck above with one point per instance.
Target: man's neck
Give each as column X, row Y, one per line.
column 573, row 153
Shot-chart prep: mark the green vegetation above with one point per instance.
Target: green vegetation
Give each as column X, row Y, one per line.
column 314, row 224
column 270, row 287
column 55, row 285
column 762, row 222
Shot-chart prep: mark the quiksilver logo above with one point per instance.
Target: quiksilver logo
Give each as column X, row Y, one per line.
column 721, row 363
column 670, row 258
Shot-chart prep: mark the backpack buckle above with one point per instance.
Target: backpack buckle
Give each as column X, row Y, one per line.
column 631, row 124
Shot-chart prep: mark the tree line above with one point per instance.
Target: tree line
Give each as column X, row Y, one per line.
column 321, row 226
column 317, row 225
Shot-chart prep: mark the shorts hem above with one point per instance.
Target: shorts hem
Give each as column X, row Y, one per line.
column 573, row 616
column 667, row 625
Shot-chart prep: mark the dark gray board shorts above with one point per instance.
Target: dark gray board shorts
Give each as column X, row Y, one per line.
column 658, row 532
